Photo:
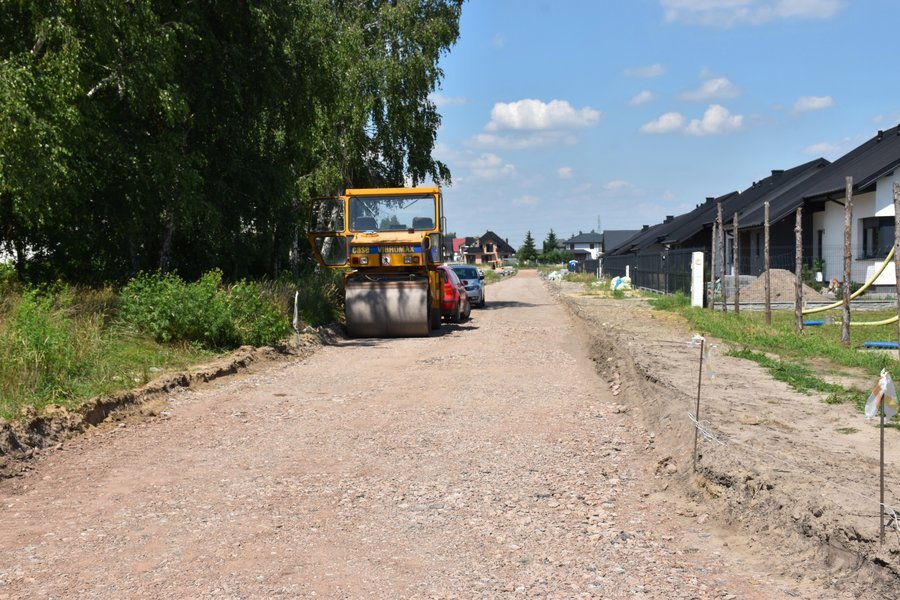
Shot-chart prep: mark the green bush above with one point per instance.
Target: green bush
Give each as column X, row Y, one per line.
column 204, row 312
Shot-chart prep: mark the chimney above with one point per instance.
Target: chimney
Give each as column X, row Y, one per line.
column 880, row 135
column 669, row 218
column 645, row 228
column 777, row 173
column 710, row 199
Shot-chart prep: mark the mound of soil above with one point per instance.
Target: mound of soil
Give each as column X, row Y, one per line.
column 783, row 284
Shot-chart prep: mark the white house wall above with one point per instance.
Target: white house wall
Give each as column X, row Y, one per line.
column 595, row 251
column 873, row 204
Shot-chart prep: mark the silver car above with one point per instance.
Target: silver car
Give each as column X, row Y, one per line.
column 473, row 281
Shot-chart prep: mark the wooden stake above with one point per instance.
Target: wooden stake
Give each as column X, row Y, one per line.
column 845, row 310
column 897, row 255
column 798, row 271
column 768, row 278
column 721, row 254
column 881, row 470
column 736, row 267
column 712, row 267
column 697, row 412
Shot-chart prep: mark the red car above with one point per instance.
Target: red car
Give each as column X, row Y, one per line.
column 455, row 300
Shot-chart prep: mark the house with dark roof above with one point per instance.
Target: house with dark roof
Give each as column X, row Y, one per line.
column 872, row 167
column 819, row 188
column 487, row 249
column 584, row 245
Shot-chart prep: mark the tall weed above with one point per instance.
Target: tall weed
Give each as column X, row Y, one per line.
column 44, row 352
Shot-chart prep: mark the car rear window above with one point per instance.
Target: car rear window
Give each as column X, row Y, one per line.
column 466, row 272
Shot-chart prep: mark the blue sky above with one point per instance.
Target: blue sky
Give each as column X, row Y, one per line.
column 575, row 115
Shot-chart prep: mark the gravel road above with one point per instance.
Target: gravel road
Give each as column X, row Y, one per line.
column 490, row 460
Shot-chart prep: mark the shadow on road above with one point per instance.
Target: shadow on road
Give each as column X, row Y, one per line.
column 448, row 328
column 497, row 304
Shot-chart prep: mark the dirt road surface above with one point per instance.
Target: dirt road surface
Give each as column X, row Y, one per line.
column 491, row 460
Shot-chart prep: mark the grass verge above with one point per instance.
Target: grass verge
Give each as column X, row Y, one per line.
column 792, row 357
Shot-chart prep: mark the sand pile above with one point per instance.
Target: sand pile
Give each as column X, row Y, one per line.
column 782, row 283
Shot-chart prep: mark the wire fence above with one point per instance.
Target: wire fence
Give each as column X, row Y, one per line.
column 822, row 274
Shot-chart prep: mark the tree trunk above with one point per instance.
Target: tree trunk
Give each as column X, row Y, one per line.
column 798, row 271
column 845, row 310
column 165, row 251
column 295, row 253
column 736, row 269
column 721, row 255
column 712, row 267
column 768, row 278
column 897, row 253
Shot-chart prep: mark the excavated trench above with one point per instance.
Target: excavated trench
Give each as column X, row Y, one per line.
column 776, row 512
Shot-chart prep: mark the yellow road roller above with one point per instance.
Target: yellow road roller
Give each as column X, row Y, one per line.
column 389, row 241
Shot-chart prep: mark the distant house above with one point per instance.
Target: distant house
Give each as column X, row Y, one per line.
column 453, row 249
column 585, row 245
column 818, row 188
column 488, row 249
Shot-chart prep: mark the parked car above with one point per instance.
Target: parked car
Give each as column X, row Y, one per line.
column 474, row 282
column 455, row 300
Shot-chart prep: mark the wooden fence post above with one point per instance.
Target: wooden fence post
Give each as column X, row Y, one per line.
column 897, row 254
column 845, row 310
column 768, row 278
column 736, row 269
column 713, row 248
column 798, row 271
column 721, row 255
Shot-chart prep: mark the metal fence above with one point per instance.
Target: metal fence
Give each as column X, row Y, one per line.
column 665, row 272
column 670, row 271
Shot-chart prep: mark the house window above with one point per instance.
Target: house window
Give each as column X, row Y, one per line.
column 878, row 237
column 489, row 248
column 592, row 245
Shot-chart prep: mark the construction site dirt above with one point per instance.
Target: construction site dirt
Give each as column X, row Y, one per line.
column 543, row 449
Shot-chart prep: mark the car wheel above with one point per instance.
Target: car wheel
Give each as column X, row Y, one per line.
column 482, row 301
column 468, row 312
column 456, row 317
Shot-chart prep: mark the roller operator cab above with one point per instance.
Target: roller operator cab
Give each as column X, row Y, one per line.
column 389, row 241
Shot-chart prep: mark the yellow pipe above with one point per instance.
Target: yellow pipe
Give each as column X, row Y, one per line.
column 887, row 321
column 861, row 290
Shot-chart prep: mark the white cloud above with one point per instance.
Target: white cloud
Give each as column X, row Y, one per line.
column 667, row 123
column 491, row 166
column 440, row 100
column 536, row 115
column 519, row 141
column 642, row 98
column 718, row 87
column 809, row 103
column 715, row 120
column 821, row 149
column 565, row 172
column 526, row 201
column 618, row 185
column 726, row 13
column 647, row 71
